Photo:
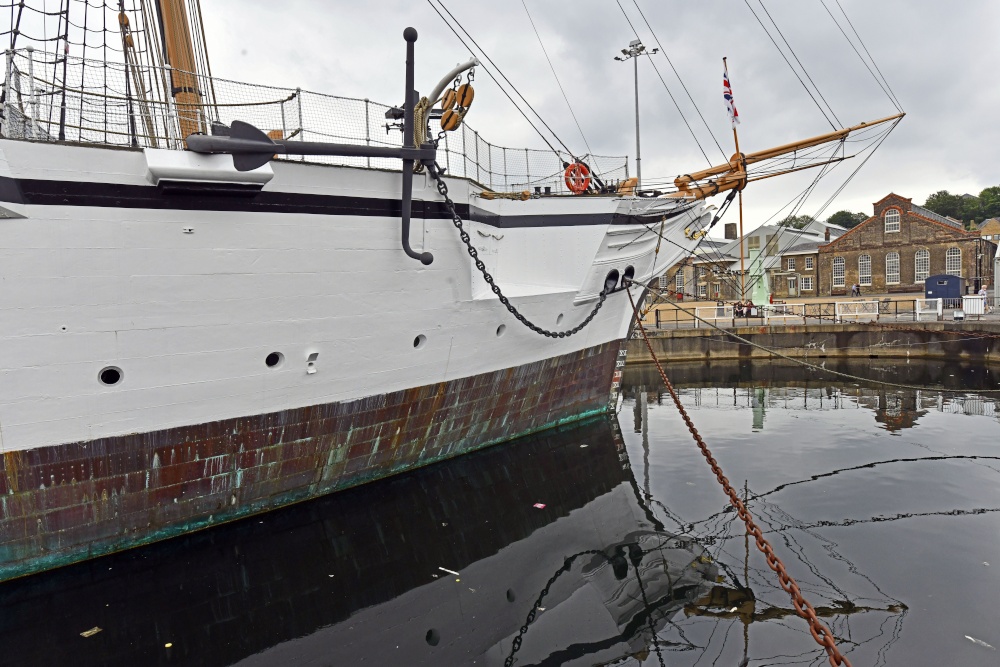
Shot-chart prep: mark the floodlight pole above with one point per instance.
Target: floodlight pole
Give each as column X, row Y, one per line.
column 634, row 50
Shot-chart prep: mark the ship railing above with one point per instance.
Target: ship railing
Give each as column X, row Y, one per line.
column 117, row 104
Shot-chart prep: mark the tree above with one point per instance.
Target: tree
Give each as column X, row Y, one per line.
column 944, row 203
column 989, row 202
column 847, row 219
column 796, row 221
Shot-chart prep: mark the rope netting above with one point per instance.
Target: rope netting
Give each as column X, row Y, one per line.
column 118, row 104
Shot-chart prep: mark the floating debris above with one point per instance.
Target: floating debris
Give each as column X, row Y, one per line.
column 539, row 506
column 168, row 645
column 94, row 630
column 444, row 569
column 979, row 642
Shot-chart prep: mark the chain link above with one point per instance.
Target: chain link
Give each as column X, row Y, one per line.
column 817, row 629
column 456, row 219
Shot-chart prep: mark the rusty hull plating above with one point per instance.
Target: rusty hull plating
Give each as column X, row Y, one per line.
column 70, row 502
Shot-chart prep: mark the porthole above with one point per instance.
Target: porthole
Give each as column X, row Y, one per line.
column 419, row 341
column 110, row 376
column 559, row 319
column 510, row 595
column 501, row 330
column 432, row 637
column 274, row 359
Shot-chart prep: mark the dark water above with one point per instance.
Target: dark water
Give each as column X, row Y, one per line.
column 884, row 505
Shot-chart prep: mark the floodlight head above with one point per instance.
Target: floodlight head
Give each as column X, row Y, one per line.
column 619, row 58
column 635, row 42
column 624, row 52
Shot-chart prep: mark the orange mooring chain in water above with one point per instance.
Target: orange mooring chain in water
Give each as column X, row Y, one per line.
column 819, row 631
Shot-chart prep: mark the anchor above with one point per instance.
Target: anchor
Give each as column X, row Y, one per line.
column 251, row 148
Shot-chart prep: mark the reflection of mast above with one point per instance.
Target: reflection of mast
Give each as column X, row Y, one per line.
column 180, row 56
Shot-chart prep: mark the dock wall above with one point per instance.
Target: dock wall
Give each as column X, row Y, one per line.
column 968, row 341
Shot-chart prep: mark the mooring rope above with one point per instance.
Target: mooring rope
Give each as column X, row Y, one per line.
column 817, row 629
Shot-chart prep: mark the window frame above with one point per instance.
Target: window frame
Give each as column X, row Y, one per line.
column 894, row 256
column 679, row 281
column 808, row 263
column 948, row 256
column 804, row 281
column 862, row 276
column 791, row 263
column 843, row 272
column 895, row 223
column 925, row 254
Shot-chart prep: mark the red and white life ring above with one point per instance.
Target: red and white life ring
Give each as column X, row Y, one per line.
column 577, row 178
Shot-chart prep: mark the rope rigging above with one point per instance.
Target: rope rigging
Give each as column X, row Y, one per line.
column 789, row 63
column 503, row 76
column 679, row 79
column 669, row 93
column 885, row 88
column 556, row 76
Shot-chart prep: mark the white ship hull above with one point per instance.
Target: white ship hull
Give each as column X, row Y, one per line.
column 154, row 263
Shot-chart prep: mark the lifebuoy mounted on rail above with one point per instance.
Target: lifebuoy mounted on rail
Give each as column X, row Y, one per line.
column 577, row 177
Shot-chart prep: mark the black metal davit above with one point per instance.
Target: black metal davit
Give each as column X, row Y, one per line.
column 251, row 148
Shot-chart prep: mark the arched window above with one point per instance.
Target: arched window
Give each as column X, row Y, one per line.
column 865, row 270
column 891, row 220
column 953, row 261
column 838, row 271
column 892, row 268
column 921, row 265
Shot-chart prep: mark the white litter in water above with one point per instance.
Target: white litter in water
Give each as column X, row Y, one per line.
column 444, row 569
column 980, row 642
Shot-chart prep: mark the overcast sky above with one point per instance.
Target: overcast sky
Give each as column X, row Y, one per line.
column 938, row 57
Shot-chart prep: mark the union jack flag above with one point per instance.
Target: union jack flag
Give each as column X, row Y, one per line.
column 727, row 93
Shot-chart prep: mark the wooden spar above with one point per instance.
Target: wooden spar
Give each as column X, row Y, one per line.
column 180, row 54
column 733, row 175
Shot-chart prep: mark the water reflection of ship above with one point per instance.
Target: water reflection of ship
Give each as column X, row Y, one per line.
column 357, row 574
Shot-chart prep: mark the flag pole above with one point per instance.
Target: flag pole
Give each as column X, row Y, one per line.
column 736, row 139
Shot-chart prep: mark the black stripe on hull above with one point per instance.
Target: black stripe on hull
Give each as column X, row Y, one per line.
column 38, row 192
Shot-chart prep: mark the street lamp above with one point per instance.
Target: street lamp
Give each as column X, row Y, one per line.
column 634, row 50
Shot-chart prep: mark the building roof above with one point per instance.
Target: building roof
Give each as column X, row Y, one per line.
column 987, row 221
column 804, row 248
column 927, row 213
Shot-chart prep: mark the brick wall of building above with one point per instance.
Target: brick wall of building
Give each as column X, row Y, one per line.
column 916, row 233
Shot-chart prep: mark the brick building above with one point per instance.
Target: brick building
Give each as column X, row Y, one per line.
column 989, row 229
column 897, row 248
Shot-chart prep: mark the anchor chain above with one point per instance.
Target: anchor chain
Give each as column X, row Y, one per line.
column 817, row 629
column 456, row 219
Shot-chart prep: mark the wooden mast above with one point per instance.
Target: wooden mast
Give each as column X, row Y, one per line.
column 183, row 78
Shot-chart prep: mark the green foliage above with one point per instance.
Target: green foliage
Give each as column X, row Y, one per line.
column 796, row 221
column 971, row 209
column 944, row 203
column 847, row 219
